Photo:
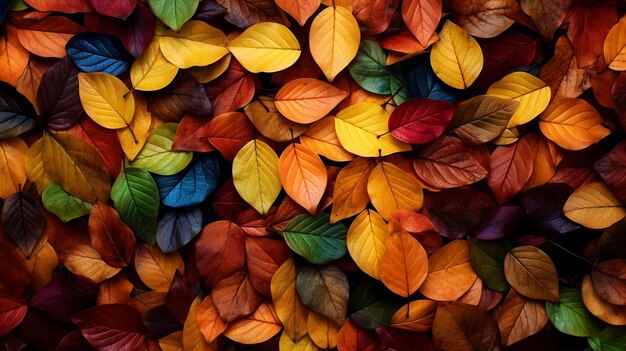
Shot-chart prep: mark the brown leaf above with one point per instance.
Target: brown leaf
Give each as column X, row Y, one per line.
column 610, row 313
column 547, row 14
column 220, row 251
column 460, row 327
column 350, row 193
column 561, row 73
column 111, row 237
column 531, row 272
column 609, row 281
column 520, row 318
column 483, row 19
column 244, row 13
column 235, row 297
column 511, row 167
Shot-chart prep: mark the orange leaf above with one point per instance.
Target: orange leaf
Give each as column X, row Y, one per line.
column 416, row 315
column 193, row 339
column 322, row 330
column 546, row 156
column 306, row 100
column 610, row 313
column 300, row 10
column 531, row 272
column 450, row 273
column 350, row 193
column 255, row 328
column 404, row 264
column 209, row 322
column 391, row 190
column 422, row 18
column 66, row 6
column 511, row 167
column 115, row 290
column 321, row 138
column 13, row 56
column 520, row 318
column 303, row 176
column 47, row 37
column 155, row 268
column 83, row 260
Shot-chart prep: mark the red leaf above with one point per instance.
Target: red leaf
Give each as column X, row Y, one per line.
column 233, row 90
column 111, row 327
column 115, row 8
column 374, row 15
column 190, row 135
column 420, row 121
column 66, row 6
column 110, row 236
column 66, row 295
column 264, row 257
column 612, row 168
column 226, row 139
column 511, row 167
column 12, row 310
column 220, row 251
column 589, row 24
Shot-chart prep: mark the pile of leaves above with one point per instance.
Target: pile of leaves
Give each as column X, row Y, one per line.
column 312, row 175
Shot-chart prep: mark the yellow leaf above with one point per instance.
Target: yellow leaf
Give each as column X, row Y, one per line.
column 363, row 130
column 303, row 344
column 172, row 342
column 256, row 176
column 192, row 338
column 456, row 58
column 322, row 330
column 391, row 190
column 197, row 44
column 265, row 47
column 34, row 165
column 212, row 71
column 12, row 170
column 106, row 99
column 532, row 94
column 290, row 311
column 366, row 241
column 148, row 300
column 334, row 40
column 615, row 46
column 134, row 137
column 155, row 268
column 152, row 71
column 594, row 206
column 85, row 261
column 416, row 315
column 256, row 328
column 572, row 124
column 322, row 139
column 76, row 166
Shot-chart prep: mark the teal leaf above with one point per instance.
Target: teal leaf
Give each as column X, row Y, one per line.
column 315, row 239
column 64, row 205
column 136, row 197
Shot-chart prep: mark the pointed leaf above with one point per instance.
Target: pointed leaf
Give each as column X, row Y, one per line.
column 152, row 71
column 174, row 13
column 106, row 100
column 366, row 240
column 22, row 220
column 67, row 207
column 58, row 96
column 420, row 121
column 482, row 118
column 256, row 328
column 94, row 52
column 422, row 18
column 531, row 272
column 461, row 327
column 315, row 239
column 195, row 44
column 113, row 240
column 392, row 190
column 450, row 273
column 594, row 206
column 306, row 100
column 155, row 268
column 12, row 166
column 324, row 290
column 111, row 327
column 157, row 155
column 532, row 94
column 510, row 170
column 191, row 187
column 177, row 228
column 350, row 191
column 570, row 316
column 303, row 176
column 290, row 311
column 520, row 318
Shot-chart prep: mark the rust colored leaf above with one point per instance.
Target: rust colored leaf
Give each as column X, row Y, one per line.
column 110, row 236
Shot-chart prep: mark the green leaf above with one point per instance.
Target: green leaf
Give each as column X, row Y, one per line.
column 570, row 316
column 64, row 205
column 487, row 258
column 398, row 88
column 369, row 71
column 371, row 305
column 136, row 197
column 174, row 13
column 610, row 339
column 157, row 155
column 315, row 239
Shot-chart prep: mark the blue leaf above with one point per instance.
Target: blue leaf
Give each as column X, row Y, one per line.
column 191, row 187
column 177, row 228
column 421, row 82
column 94, row 52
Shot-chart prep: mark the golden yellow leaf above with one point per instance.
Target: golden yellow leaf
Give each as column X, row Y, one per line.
column 256, row 176
column 303, row 344
column 322, row 139
column 392, row 190
column 572, row 124
column 594, row 206
column 155, row 268
column 196, row 44
column 334, row 40
column 416, row 315
column 172, row 342
column 146, row 301
column 265, row 47
column 456, row 58
column 615, row 46
column 363, row 129
column 366, row 241
column 212, row 71
column 256, row 328
column 106, row 99
column 85, row 261
column 41, row 265
column 152, row 71
column 134, row 136
column 532, row 94
column 290, row 311
column 322, row 330
column 34, row 165
column 12, row 170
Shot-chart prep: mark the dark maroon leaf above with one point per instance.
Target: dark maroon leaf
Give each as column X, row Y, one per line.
column 544, row 206
column 115, row 8
column 74, row 341
column 502, row 53
column 58, row 95
column 160, row 322
column 23, row 220
column 179, row 298
column 456, row 212
column 48, row 332
column 404, row 340
column 15, row 276
column 66, row 295
column 576, row 168
column 502, row 221
column 135, row 33
column 111, row 327
column 183, row 95
column 12, row 311
column 619, row 98
column 208, row 10
column 420, row 121
column 244, row 13
column 190, row 135
column 227, row 203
